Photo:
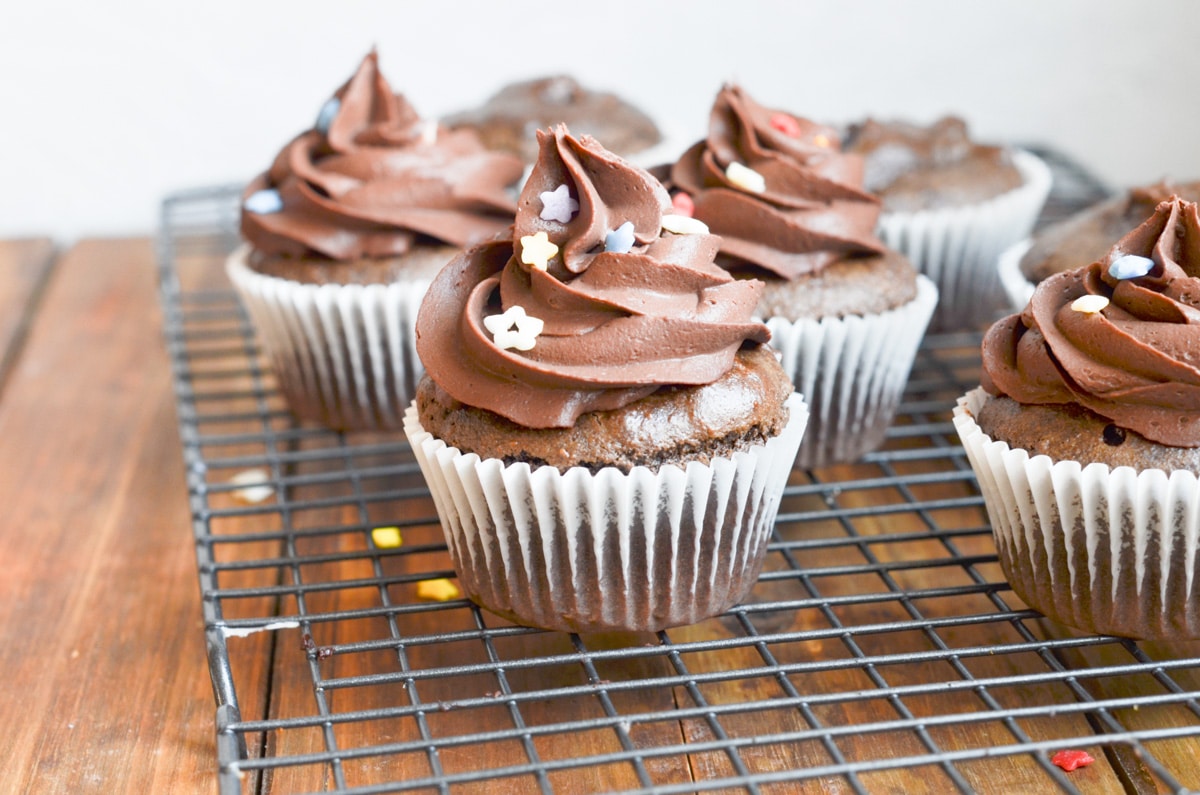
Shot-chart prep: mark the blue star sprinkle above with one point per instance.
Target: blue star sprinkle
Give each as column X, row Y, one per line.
column 264, row 202
column 620, row 240
column 557, row 205
column 327, row 114
column 1130, row 266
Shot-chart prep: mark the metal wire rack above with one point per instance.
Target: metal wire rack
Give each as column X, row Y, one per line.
column 881, row 651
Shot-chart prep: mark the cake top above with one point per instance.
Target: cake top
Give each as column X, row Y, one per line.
column 777, row 188
column 600, row 297
column 1120, row 336
column 372, row 179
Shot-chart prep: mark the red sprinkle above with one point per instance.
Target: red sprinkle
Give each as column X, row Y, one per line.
column 1069, row 760
column 785, row 124
column 683, row 204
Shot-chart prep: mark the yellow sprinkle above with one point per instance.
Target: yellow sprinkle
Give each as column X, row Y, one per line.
column 745, row 178
column 386, row 537
column 439, row 590
column 822, row 140
column 1089, row 304
column 537, row 250
column 254, row 486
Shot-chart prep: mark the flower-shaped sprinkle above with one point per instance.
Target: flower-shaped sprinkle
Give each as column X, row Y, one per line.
column 514, row 329
column 1089, row 304
column 785, row 124
column 684, row 225
column 620, row 240
column 327, row 114
column 264, row 202
column 537, row 250
column 745, row 178
column 557, row 205
column 1130, row 266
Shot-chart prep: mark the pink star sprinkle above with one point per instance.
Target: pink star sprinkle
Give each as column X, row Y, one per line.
column 1069, row 760
column 785, row 124
column 557, row 205
column 683, row 204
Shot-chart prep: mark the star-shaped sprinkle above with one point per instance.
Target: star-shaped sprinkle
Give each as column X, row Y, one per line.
column 785, row 124
column 557, row 205
column 683, row 205
column 1130, row 266
column 514, row 329
column 1089, row 304
column 1070, row 760
column 620, row 240
column 745, row 178
column 264, row 202
column 386, row 537
column 684, row 225
column 822, row 141
column 327, row 114
column 255, row 486
column 439, row 590
column 427, row 132
column 537, row 250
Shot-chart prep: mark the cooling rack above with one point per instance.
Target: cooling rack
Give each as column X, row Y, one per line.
column 881, row 650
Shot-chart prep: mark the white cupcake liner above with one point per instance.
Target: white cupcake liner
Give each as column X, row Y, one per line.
column 580, row 551
column 1014, row 283
column 344, row 354
column 1112, row 551
column 958, row 247
column 851, row 371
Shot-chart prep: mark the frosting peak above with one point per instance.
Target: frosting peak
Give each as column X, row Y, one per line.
column 1126, row 346
column 615, row 316
column 800, row 207
column 372, row 178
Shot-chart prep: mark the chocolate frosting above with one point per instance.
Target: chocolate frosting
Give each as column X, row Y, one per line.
column 813, row 210
column 1135, row 362
column 374, row 180
column 618, row 326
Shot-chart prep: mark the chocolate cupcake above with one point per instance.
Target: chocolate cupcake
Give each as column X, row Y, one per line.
column 343, row 234
column 846, row 312
column 1084, row 237
column 604, row 433
column 1085, row 436
column 952, row 205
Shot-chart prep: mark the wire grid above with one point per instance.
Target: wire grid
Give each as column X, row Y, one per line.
column 880, row 651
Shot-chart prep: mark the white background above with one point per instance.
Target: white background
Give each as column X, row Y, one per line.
column 106, row 106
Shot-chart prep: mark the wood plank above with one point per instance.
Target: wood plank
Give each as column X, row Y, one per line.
column 25, row 265
column 101, row 640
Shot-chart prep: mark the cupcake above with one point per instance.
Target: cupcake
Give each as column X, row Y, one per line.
column 952, row 205
column 343, row 234
column 1085, row 436
column 604, row 432
column 1084, row 237
column 510, row 119
column 846, row 312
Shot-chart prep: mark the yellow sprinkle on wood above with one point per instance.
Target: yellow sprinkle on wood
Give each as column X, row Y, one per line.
column 439, row 590
column 386, row 537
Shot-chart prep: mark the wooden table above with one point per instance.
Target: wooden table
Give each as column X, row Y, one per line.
column 107, row 687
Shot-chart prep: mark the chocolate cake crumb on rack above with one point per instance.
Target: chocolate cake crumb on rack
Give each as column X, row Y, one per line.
column 881, row 650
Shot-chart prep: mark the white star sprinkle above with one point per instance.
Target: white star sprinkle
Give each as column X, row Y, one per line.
column 684, row 225
column 1089, row 304
column 557, row 205
column 520, row 338
column 745, row 178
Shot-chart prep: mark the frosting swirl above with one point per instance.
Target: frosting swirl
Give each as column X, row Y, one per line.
column 371, row 179
column 618, row 323
column 812, row 209
column 1134, row 360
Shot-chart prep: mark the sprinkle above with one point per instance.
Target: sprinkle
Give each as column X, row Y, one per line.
column 683, row 205
column 264, row 202
column 684, row 225
column 786, row 124
column 253, row 483
column 521, row 338
column 439, row 590
column 822, row 140
column 386, row 537
column 327, row 114
column 557, row 205
column 1089, row 304
column 745, row 178
column 1130, row 266
column 537, row 250
column 620, row 240
column 1069, row 760
column 427, row 131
